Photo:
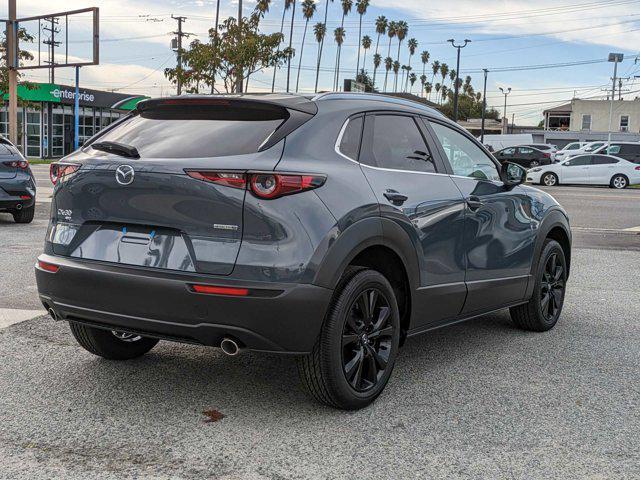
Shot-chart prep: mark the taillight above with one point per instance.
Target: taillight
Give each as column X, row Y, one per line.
column 59, row 170
column 49, row 267
column 21, row 164
column 262, row 185
column 546, row 155
column 215, row 290
column 637, row 168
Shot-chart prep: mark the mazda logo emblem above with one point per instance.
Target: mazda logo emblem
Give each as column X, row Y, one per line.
column 125, row 174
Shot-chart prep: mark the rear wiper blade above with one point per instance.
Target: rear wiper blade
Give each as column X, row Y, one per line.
column 121, row 149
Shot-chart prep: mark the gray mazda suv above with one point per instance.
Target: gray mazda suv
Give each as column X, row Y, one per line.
column 331, row 228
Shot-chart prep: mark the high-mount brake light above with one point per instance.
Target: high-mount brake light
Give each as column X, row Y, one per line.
column 21, row 164
column 59, row 170
column 263, row 185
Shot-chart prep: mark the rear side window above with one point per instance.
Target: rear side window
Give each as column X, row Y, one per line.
column 509, row 151
column 350, row 141
column 197, row 131
column 525, row 150
column 398, row 145
column 630, row 149
column 578, row 161
column 602, row 160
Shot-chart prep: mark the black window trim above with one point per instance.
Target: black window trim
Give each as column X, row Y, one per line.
column 341, row 134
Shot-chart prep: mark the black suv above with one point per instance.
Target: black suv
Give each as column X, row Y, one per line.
column 331, row 228
column 525, row 156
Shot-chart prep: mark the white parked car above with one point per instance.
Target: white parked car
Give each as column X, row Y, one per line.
column 590, row 147
column 588, row 169
column 571, row 148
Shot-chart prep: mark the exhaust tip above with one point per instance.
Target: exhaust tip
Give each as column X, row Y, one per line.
column 53, row 314
column 229, row 347
column 19, row 207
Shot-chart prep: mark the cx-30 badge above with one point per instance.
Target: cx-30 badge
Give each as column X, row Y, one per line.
column 125, row 174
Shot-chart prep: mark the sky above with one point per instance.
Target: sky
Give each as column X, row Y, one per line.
column 512, row 39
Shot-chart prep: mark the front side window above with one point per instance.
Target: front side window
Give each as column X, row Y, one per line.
column 350, row 141
column 613, row 149
column 593, row 147
column 466, row 158
column 624, row 123
column 586, row 122
column 397, row 144
column 509, row 151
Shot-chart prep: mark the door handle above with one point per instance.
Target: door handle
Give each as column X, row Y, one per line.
column 474, row 203
column 395, row 197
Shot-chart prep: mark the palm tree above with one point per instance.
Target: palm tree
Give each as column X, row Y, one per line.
column 436, row 68
column 338, row 35
column 444, row 70
column 326, row 11
column 428, row 87
column 287, row 5
column 319, row 31
column 413, row 45
column 361, row 8
column 381, row 29
column 404, row 69
column 412, row 79
column 444, row 91
column 261, row 9
column 388, row 64
column 452, row 76
column 424, row 58
column 437, row 89
column 423, row 81
column 346, row 8
column 401, row 33
column 308, row 9
column 366, row 45
column 396, row 70
column 392, row 29
column 291, row 53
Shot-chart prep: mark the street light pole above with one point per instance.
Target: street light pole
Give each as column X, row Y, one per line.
column 505, row 120
column 615, row 58
column 484, row 104
column 12, row 72
column 456, row 86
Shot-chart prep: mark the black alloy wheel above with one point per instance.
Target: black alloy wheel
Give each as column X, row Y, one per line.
column 367, row 337
column 552, row 288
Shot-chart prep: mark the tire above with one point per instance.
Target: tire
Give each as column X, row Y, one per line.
column 549, row 179
column 348, row 367
column 25, row 215
column 534, row 163
column 111, row 345
column 537, row 315
column 619, row 182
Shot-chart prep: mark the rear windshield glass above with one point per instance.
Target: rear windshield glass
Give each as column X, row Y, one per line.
column 196, row 131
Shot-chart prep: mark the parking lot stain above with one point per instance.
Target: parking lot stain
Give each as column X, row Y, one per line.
column 213, row 415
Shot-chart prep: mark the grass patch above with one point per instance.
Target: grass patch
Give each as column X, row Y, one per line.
column 41, row 161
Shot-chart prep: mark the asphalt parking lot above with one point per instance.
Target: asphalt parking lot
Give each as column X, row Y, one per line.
column 476, row 400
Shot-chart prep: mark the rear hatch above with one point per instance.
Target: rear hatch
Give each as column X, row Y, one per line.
column 139, row 197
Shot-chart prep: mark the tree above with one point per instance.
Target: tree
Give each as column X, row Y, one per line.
column 319, row 31
column 428, row 87
column 261, row 9
column 326, row 11
column 388, row 65
column 23, row 55
column 340, row 34
column 287, row 6
column 413, row 46
column 401, row 33
column 392, row 28
column 452, row 76
column 396, row 69
column 239, row 52
column 424, row 58
column 437, row 89
column 308, row 9
column 366, row 80
column 361, row 8
column 366, row 45
column 444, row 70
column 412, row 80
column 436, row 68
column 381, row 29
column 423, row 82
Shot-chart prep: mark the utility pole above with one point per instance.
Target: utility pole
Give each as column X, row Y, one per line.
column 52, row 43
column 505, row 120
column 456, row 86
column 293, row 15
column 179, row 34
column 12, row 64
column 484, row 105
column 615, row 58
column 239, row 78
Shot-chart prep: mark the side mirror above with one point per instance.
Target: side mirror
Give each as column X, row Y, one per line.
column 513, row 174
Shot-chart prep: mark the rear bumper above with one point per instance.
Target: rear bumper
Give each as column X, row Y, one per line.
column 284, row 318
column 14, row 202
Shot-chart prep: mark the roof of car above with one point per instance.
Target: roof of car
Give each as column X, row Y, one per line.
column 376, row 99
